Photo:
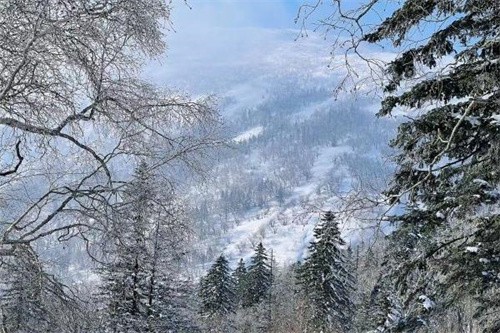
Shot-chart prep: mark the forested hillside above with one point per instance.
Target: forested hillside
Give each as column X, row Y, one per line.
column 293, row 153
column 319, row 167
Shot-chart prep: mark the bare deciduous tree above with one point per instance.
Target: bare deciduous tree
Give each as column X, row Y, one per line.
column 75, row 117
column 74, row 111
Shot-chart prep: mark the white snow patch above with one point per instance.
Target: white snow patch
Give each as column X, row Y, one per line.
column 481, row 182
column 249, row 134
column 473, row 120
column 323, row 164
column 278, row 231
column 472, row 249
column 426, row 302
column 496, row 119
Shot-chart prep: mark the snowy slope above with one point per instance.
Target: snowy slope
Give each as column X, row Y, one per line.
column 249, row 134
column 297, row 150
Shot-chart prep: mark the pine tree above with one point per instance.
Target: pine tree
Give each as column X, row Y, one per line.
column 447, row 81
column 326, row 280
column 217, row 290
column 259, row 277
column 125, row 288
column 32, row 301
column 369, row 313
column 22, row 306
column 240, row 277
column 351, row 266
column 141, row 286
column 173, row 309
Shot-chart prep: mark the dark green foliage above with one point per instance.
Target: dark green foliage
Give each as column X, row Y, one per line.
column 240, row 277
column 327, row 283
column 216, row 290
column 259, row 277
column 447, row 246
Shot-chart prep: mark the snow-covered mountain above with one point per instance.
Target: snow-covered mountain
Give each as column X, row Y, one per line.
column 295, row 149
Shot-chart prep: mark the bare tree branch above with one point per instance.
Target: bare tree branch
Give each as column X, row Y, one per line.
column 20, row 159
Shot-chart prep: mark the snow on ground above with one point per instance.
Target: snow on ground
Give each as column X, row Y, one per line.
column 287, row 230
column 245, row 78
column 277, row 230
column 249, row 134
column 309, row 110
column 323, row 164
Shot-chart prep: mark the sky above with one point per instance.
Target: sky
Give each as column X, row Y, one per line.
column 212, row 42
column 214, row 35
column 235, row 13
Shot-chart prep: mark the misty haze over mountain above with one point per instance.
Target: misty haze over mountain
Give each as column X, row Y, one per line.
column 296, row 147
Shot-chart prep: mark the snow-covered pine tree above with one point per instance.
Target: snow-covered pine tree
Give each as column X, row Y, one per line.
column 32, row 301
column 22, row 306
column 385, row 308
column 286, row 302
column 326, row 280
column 140, row 284
column 259, row 277
column 125, row 286
column 170, row 306
column 173, row 309
column 352, row 263
column 370, row 314
column 217, row 290
column 240, row 277
column 446, row 78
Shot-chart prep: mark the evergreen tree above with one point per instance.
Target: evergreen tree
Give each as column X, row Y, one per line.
column 22, row 306
column 173, row 310
column 383, row 308
column 369, row 313
column 141, row 286
column 217, row 290
column 447, row 243
column 240, row 277
column 125, row 287
column 259, row 277
column 351, row 266
column 326, row 280
column 32, row 301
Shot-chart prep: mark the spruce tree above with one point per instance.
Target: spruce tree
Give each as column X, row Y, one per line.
column 371, row 311
column 217, row 290
column 240, row 277
column 326, row 280
column 446, row 79
column 22, row 307
column 125, row 286
column 33, row 301
column 141, row 286
column 259, row 277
